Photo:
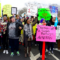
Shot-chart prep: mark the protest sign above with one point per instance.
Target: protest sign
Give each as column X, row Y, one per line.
column 34, row 29
column 56, row 22
column 44, row 13
column 53, row 10
column 58, row 32
column 32, row 10
column 7, row 10
column 0, row 9
column 46, row 33
column 13, row 10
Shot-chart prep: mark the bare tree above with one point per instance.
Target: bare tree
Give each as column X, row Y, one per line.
column 22, row 11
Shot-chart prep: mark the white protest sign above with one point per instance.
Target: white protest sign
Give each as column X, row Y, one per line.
column 13, row 10
column 58, row 32
column 32, row 10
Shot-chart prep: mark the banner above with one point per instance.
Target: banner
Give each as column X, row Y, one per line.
column 7, row 10
column 53, row 10
column 58, row 32
column 44, row 13
column 32, row 10
column 46, row 34
column 0, row 9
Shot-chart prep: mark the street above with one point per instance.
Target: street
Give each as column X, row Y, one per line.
column 35, row 55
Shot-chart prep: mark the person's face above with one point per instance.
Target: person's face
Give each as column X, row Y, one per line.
column 28, row 22
column 53, row 19
column 17, row 17
column 44, row 21
column 58, row 18
column 13, row 19
column 32, row 19
column 23, row 19
column 4, row 18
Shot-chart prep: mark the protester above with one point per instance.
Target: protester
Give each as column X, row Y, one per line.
column 4, row 35
column 14, row 30
column 28, row 35
column 51, row 44
column 42, row 22
column 58, row 39
column 0, row 32
column 17, row 18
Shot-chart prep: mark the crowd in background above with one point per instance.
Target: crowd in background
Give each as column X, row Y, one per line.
column 11, row 35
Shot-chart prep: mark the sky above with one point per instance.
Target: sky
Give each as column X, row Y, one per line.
column 22, row 3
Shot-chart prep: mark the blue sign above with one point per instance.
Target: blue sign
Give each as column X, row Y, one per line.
column 56, row 22
column 53, row 9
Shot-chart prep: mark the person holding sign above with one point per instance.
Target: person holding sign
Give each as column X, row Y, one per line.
column 14, row 31
column 42, row 22
column 51, row 44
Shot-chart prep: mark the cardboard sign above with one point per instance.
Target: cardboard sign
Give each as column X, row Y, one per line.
column 44, row 13
column 46, row 33
column 32, row 10
column 0, row 9
column 7, row 10
column 53, row 10
column 13, row 10
column 58, row 32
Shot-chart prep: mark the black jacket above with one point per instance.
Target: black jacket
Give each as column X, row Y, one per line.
column 17, row 30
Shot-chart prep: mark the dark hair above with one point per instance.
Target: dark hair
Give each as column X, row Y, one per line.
column 52, row 23
column 27, row 20
column 17, row 15
column 11, row 18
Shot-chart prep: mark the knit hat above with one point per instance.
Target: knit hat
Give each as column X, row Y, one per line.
column 41, row 20
column 11, row 17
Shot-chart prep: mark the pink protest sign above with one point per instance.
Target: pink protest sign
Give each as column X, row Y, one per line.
column 46, row 33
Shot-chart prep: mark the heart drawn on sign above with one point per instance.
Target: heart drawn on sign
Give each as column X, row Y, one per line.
column 44, row 14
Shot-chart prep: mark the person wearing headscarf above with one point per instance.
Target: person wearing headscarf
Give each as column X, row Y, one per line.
column 4, row 35
column 42, row 22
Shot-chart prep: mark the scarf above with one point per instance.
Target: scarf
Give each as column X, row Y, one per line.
column 28, row 30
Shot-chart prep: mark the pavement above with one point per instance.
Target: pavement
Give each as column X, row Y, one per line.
column 35, row 55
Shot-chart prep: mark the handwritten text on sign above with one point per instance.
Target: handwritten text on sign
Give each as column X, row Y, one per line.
column 46, row 33
column 32, row 10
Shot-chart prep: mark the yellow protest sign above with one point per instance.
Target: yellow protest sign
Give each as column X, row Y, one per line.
column 34, row 29
column 22, row 29
column 0, row 9
column 7, row 10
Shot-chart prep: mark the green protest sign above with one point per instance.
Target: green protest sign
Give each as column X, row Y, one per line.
column 44, row 13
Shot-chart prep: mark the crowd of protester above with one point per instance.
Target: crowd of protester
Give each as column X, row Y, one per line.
column 10, row 36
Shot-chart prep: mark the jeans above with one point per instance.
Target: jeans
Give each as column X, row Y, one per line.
column 50, row 45
column 14, row 44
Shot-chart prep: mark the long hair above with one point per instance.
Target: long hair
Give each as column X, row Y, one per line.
column 52, row 23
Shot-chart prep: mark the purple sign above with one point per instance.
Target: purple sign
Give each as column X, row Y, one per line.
column 53, row 9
